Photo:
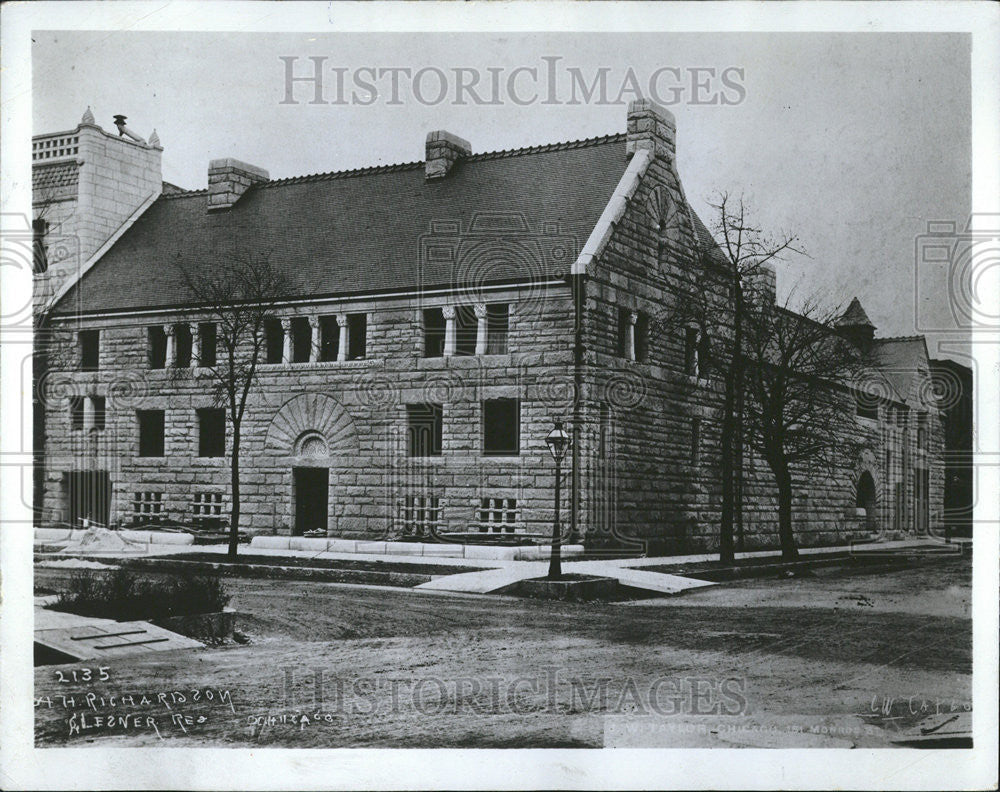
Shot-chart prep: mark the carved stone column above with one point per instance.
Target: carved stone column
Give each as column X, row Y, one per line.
column 171, row 353
column 633, row 317
column 449, row 330
column 286, row 336
column 342, row 347
column 481, row 328
column 195, row 345
column 314, row 339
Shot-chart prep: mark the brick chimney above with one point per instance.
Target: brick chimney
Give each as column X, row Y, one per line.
column 228, row 179
column 650, row 127
column 443, row 150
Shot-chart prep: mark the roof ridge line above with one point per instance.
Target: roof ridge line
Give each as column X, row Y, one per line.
column 900, row 338
column 368, row 170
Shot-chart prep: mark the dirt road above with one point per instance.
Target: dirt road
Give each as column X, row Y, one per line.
column 833, row 660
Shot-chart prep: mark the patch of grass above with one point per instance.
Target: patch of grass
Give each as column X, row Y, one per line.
column 123, row 596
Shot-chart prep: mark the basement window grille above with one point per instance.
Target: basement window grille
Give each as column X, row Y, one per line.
column 206, row 510
column 147, row 507
column 497, row 515
column 420, row 515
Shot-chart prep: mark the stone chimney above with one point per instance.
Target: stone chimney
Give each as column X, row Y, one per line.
column 650, row 127
column 760, row 287
column 228, row 179
column 443, row 151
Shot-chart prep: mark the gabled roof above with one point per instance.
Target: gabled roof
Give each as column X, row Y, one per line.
column 854, row 316
column 372, row 230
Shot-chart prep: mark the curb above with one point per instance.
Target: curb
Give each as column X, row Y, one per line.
column 394, row 579
column 883, row 561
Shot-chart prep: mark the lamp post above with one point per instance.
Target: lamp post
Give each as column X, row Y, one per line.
column 558, row 442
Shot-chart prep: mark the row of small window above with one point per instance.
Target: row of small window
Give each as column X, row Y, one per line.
column 206, row 509
column 211, row 428
column 896, row 415
column 501, row 428
column 420, row 515
column 468, row 338
column 633, row 342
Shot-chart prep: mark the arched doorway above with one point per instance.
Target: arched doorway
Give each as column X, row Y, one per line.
column 865, row 498
column 311, row 434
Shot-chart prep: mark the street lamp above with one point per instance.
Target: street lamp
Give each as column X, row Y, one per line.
column 558, row 442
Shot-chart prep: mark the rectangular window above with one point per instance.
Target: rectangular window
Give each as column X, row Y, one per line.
column 90, row 350
column 274, row 341
column 866, row 405
column 695, row 441
column 624, row 321
column 76, row 412
column 212, row 432
column 420, row 515
column 157, row 347
column 501, row 427
column 301, row 340
column 329, row 338
column 704, row 357
column 466, row 330
column 357, row 336
column 434, row 325
column 206, row 510
column 39, row 228
column 207, row 341
column 147, row 507
column 184, row 341
column 497, row 328
column 922, row 431
column 691, row 351
column 497, row 515
column 150, row 433
column 100, row 412
column 424, row 429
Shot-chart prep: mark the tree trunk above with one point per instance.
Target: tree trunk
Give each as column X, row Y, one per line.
column 730, row 428
column 234, row 519
column 789, row 552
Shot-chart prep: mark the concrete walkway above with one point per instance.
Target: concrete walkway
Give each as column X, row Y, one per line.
column 491, row 580
column 485, row 576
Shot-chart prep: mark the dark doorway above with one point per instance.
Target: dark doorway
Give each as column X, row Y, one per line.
column 88, row 496
column 311, row 490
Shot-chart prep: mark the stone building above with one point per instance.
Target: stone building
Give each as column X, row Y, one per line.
column 442, row 314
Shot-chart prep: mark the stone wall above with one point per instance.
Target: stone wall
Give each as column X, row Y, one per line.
column 358, row 406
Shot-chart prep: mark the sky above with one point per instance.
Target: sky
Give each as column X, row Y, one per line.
column 853, row 141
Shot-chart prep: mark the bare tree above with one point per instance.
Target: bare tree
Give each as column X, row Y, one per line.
column 740, row 263
column 239, row 293
column 748, row 253
column 797, row 375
